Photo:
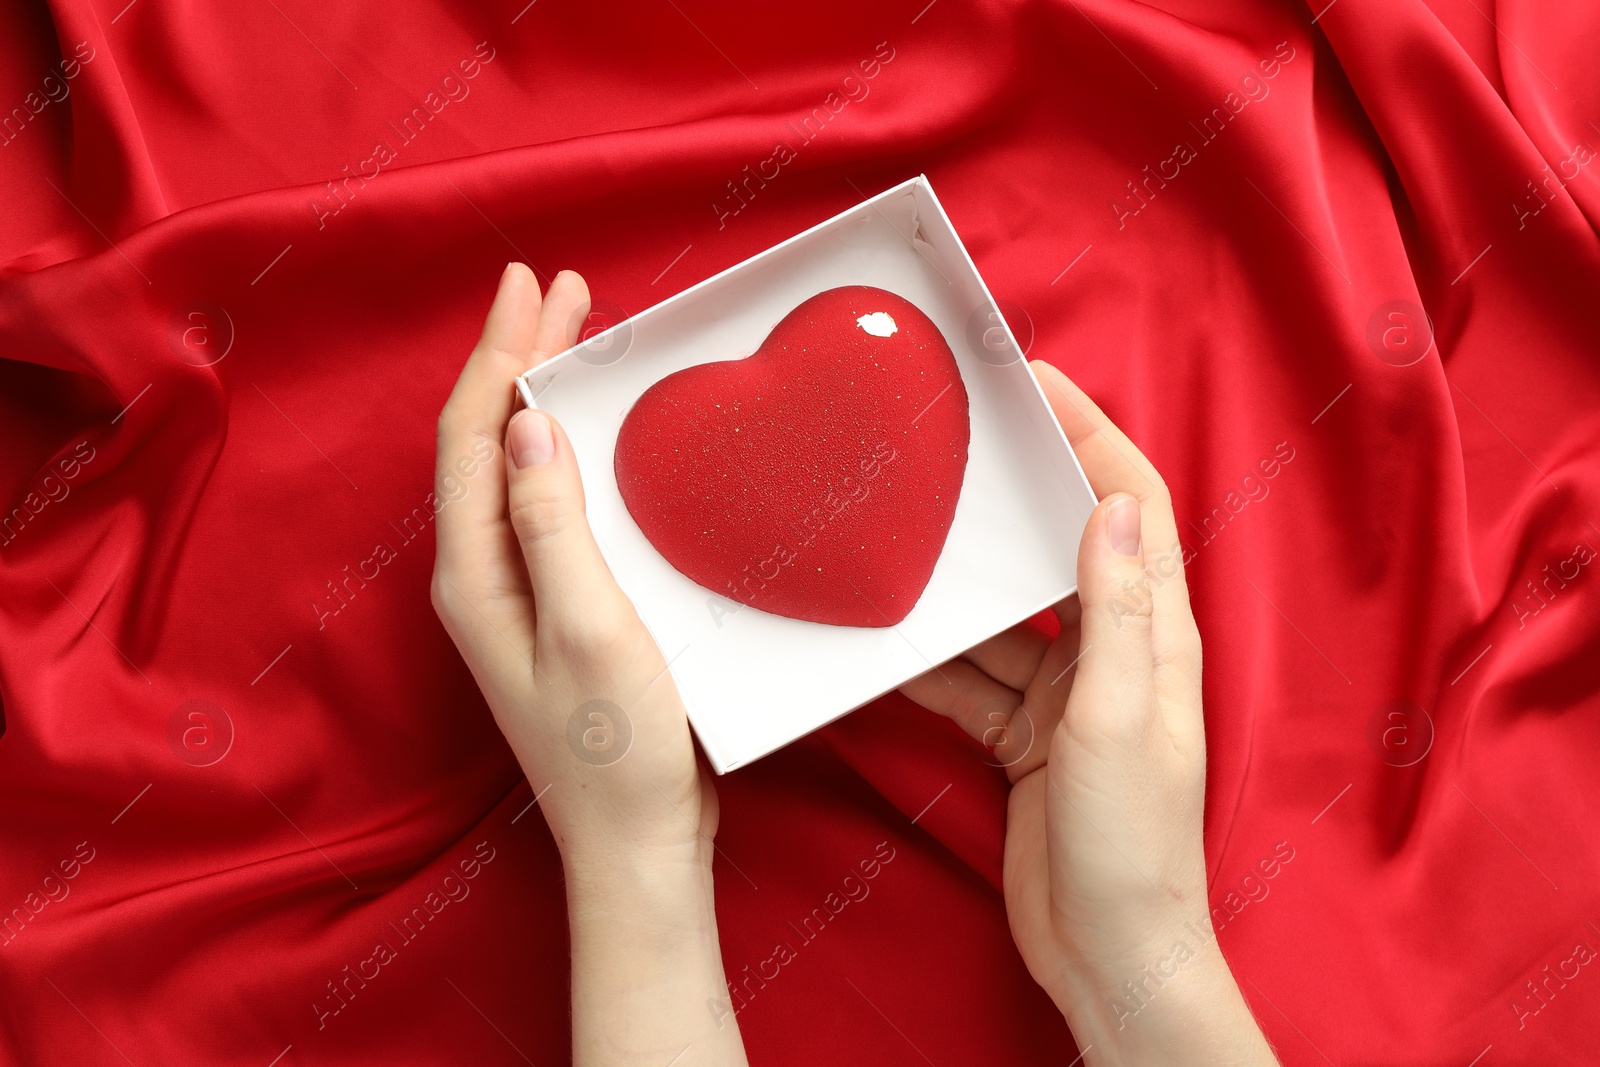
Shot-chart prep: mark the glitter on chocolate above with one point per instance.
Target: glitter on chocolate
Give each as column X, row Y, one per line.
column 815, row 479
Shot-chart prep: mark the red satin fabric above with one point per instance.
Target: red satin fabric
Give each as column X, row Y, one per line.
column 1241, row 321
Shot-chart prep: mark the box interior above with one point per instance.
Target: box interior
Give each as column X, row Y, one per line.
column 753, row 682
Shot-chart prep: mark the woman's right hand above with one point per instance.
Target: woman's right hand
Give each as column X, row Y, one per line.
column 1102, row 737
column 575, row 681
column 584, row 698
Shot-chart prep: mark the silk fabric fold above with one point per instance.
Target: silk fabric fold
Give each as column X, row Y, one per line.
column 1336, row 278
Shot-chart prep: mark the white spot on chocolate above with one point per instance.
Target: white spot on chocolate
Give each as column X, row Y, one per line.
column 878, row 324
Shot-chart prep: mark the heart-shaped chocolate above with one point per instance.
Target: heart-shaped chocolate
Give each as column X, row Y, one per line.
column 815, row 479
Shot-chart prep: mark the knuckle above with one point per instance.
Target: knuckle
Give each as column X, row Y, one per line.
column 1128, row 599
column 539, row 516
column 1135, row 624
column 1181, row 657
column 439, row 595
column 447, row 427
column 1187, row 655
column 460, row 429
column 461, row 453
column 968, row 696
column 500, row 353
column 1167, row 566
column 1156, row 493
column 593, row 636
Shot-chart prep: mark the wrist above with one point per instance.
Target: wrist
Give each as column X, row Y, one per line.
column 645, row 951
column 1120, row 956
column 607, row 873
column 606, row 826
column 661, row 916
column 1174, row 1000
column 626, row 841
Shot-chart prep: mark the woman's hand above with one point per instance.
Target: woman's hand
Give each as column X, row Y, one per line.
column 582, row 694
column 1101, row 734
column 573, row 678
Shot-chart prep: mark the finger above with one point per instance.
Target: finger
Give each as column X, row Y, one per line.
column 469, row 489
column 1012, row 656
column 977, row 703
column 1045, row 701
column 1111, row 461
column 581, row 608
column 1113, row 696
column 1067, row 611
column 1053, row 680
column 1114, row 465
column 561, row 319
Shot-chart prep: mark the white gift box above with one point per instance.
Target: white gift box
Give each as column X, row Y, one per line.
column 752, row 681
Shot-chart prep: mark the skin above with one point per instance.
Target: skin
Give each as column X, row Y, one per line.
column 1100, row 731
column 1102, row 737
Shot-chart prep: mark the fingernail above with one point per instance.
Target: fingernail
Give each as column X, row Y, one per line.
column 530, row 442
column 1122, row 523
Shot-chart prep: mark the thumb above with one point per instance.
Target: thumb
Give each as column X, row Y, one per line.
column 1115, row 685
column 574, row 592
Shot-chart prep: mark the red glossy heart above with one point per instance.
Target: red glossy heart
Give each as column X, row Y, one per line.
column 815, row 479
